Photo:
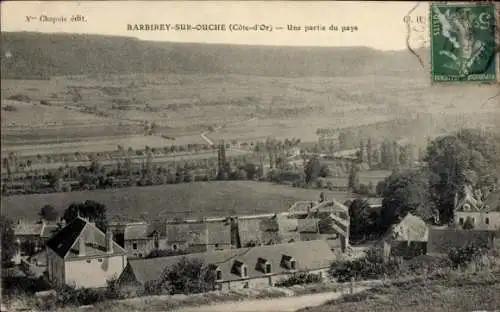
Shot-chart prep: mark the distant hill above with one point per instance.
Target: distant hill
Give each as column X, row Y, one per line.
column 26, row 54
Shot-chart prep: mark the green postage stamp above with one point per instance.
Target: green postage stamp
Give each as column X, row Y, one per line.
column 463, row 42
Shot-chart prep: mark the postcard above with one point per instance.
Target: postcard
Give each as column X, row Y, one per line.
column 250, row 156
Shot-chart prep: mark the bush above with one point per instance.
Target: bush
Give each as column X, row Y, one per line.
column 372, row 266
column 19, row 97
column 165, row 253
column 9, row 108
column 321, row 183
column 461, row 257
column 299, row 278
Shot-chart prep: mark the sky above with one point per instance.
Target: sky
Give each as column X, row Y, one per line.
column 379, row 25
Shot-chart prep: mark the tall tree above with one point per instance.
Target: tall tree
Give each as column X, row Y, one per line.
column 91, row 210
column 452, row 158
column 406, row 191
column 49, row 213
column 8, row 239
column 353, row 181
column 369, row 152
column 312, row 169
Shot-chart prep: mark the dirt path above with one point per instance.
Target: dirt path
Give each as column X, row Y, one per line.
column 287, row 304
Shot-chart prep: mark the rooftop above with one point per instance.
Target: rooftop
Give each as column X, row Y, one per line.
column 309, row 255
column 66, row 242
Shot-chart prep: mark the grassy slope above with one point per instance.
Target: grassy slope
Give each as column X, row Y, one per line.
column 415, row 297
column 181, row 200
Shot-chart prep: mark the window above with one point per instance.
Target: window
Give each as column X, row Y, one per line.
column 245, row 272
column 174, row 247
column 216, row 246
column 219, row 274
column 268, row 268
column 292, row 265
column 134, row 246
column 487, row 220
column 100, row 259
column 461, row 221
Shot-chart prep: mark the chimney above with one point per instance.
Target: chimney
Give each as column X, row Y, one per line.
column 109, row 241
column 81, row 247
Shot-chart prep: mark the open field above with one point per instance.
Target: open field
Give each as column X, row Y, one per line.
column 178, row 200
column 421, row 296
column 111, row 109
column 103, row 144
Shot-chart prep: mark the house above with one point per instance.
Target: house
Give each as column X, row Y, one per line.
column 251, row 267
column 406, row 239
column 482, row 210
column 199, row 235
column 140, row 238
column 81, row 255
column 32, row 236
column 326, row 226
column 266, row 229
column 442, row 240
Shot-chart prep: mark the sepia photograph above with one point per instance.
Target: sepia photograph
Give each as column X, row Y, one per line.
column 250, row 156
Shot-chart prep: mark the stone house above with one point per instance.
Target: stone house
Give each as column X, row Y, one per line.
column 252, row 267
column 199, row 235
column 482, row 210
column 82, row 255
column 406, row 239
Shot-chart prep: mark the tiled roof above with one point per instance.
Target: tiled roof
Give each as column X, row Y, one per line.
column 250, row 230
column 309, row 255
column 49, row 230
column 442, row 240
column 219, row 232
column 65, row 242
column 193, row 233
column 136, row 231
column 307, row 225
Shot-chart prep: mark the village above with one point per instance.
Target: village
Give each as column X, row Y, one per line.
column 248, row 251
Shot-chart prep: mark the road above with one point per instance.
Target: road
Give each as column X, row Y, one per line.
column 286, row 304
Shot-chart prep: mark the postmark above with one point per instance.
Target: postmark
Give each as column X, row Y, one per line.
column 463, row 42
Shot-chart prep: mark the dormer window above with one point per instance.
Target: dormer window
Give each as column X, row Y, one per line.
column 288, row 262
column 239, row 268
column 264, row 266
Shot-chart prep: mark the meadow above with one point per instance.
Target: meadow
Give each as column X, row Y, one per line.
column 421, row 296
column 190, row 200
column 96, row 113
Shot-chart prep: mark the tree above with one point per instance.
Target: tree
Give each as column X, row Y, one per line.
column 8, row 239
column 369, row 152
column 468, row 224
column 353, row 181
column 312, row 170
column 363, row 220
column 451, row 158
column 49, row 213
column 91, row 210
column 189, row 276
column 406, row 191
